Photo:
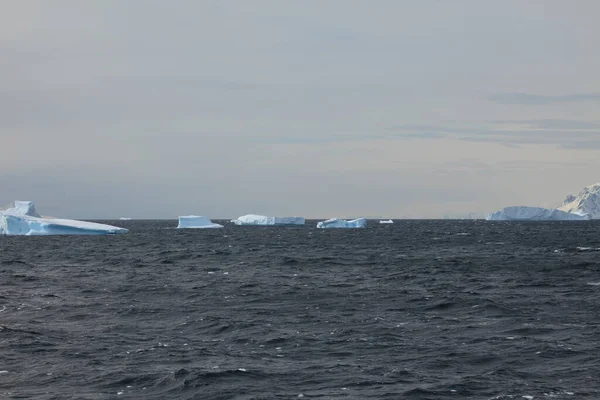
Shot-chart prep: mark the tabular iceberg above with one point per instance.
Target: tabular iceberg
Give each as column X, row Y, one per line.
column 342, row 223
column 252, row 219
column 23, row 219
column 389, row 221
column 196, row 222
column 521, row 213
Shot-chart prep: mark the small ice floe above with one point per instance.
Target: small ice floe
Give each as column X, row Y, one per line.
column 527, row 397
column 242, row 369
column 587, row 248
column 4, row 372
column 594, row 283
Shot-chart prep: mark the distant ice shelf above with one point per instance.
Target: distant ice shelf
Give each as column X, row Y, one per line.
column 253, row 219
column 523, row 213
column 342, row 223
column 23, row 219
column 196, row 222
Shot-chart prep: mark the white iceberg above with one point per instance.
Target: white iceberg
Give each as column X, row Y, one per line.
column 23, row 219
column 389, row 221
column 522, row 213
column 252, row 219
column 125, row 218
column 196, row 222
column 22, row 208
column 342, row 223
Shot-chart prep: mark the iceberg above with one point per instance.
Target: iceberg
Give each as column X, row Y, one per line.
column 125, row 218
column 196, row 222
column 22, row 208
column 389, row 221
column 522, row 213
column 342, row 223
column 252, row 219
column 23, row 219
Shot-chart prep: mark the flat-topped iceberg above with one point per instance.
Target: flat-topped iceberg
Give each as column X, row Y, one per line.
column 23, row 219
column 522, row 213
column 252, row 219
column 342, row 223
column 389, row 221
column 196, row 222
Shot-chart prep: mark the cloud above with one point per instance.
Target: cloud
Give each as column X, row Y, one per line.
column 552, row 123
column 568, row 134
column 536, row 99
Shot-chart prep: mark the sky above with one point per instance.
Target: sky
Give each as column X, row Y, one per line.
column 318, row 108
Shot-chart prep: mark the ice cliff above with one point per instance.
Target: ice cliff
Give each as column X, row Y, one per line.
column 23, row 219
column 522, row 213
column 196, row 222
column 252, row 219
column 342, row 223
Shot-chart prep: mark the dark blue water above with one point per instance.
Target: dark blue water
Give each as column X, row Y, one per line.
column 414, row 310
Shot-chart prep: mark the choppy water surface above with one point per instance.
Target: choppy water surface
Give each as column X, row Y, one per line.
column 414, row 310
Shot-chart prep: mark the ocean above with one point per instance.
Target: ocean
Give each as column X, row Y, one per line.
column 414, row 310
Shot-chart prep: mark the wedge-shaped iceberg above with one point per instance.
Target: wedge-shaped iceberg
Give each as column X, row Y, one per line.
column 389, row 221
column 342, row 223
column 22, row 219
column 196, row 222
column 252, row 219
column 521, row 213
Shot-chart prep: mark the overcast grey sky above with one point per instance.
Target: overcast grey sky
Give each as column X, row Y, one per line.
column 320, row 108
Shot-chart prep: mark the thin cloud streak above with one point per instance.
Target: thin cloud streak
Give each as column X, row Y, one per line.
column 536, row 99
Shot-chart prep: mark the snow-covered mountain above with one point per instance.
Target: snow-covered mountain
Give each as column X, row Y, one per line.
column 586, row 202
